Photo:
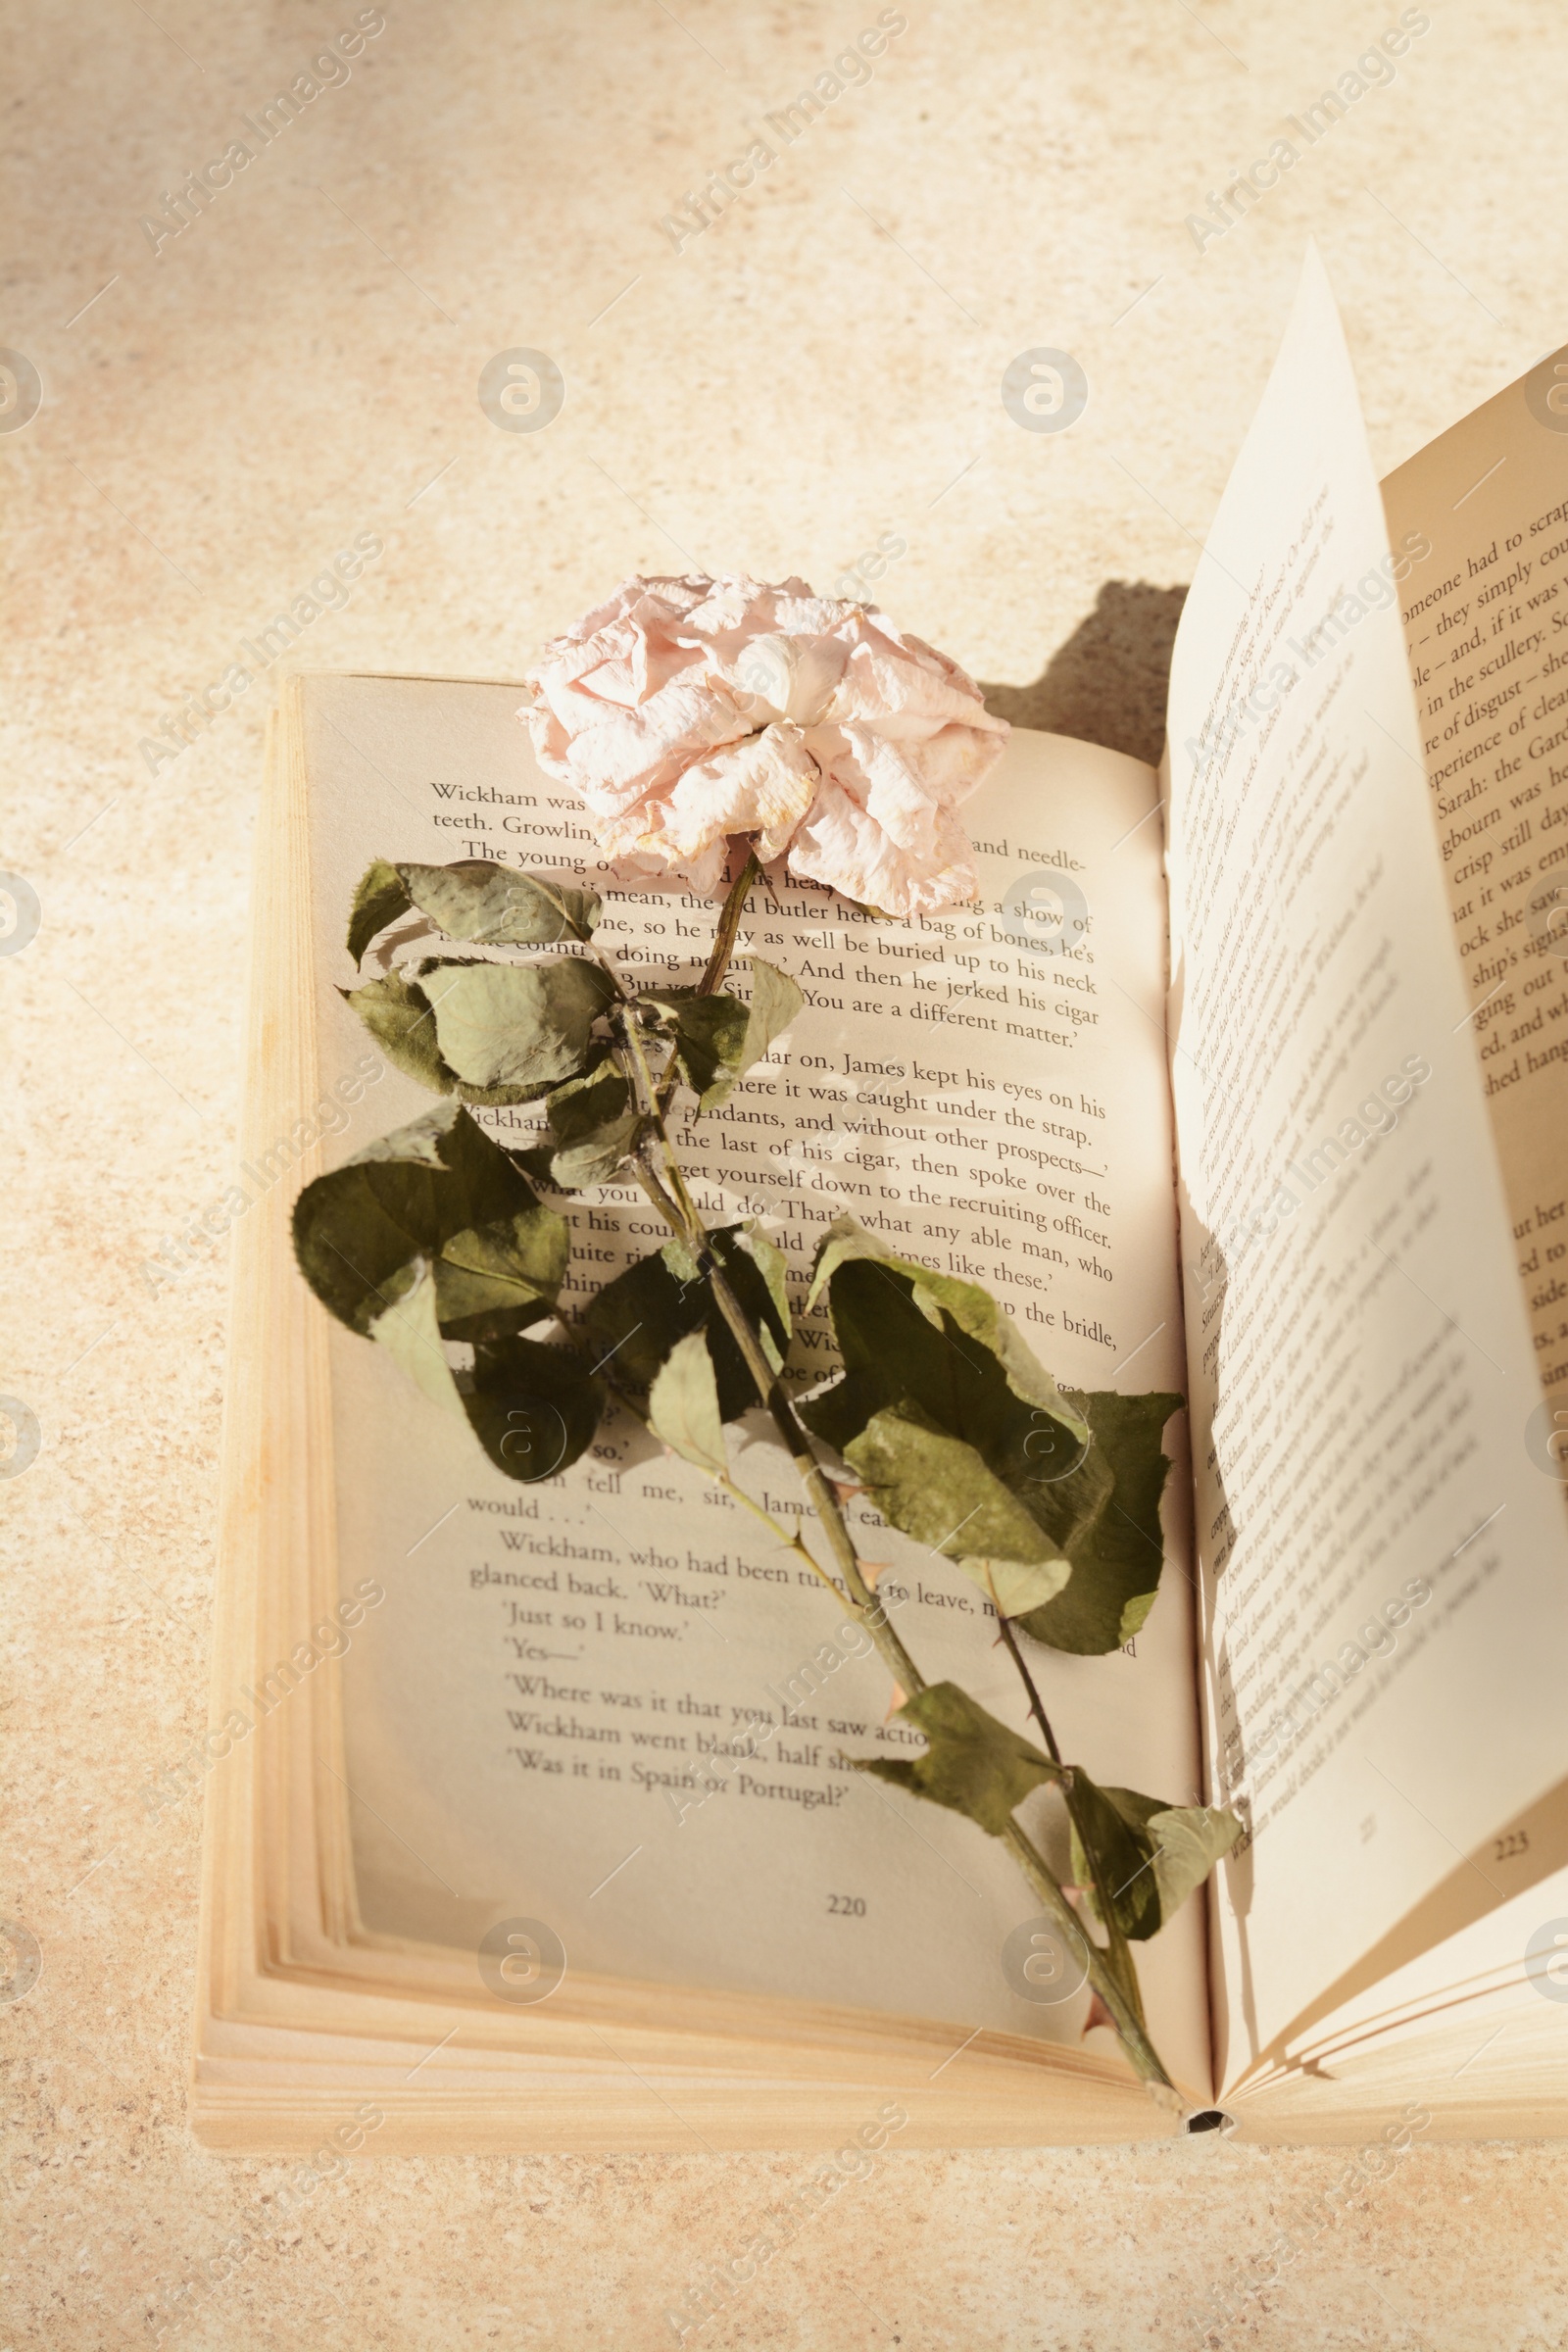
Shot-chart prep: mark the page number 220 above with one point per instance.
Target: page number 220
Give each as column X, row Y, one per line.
column 847, row 1906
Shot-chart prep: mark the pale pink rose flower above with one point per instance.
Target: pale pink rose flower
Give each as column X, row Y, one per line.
column 687, row 711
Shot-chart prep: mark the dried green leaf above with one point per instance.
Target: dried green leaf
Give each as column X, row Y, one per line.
column 534, row 1408
column 632, row 1324
column 398, row 1015
column 594, row 1126
column 906, row 1354
column 746, row 1278
column 718, row 1038
column 940, row 1491
column 973, row 1764
column 1152, row 1855
column 515, row 1024
column 1115, row 1821
column 534, row 1163
column 600, row 1157
column 438, row 1189
column 709, row 1033
column 771, row 1264
column 684, row 1405
column 775, row 1002
column 493, row 1279
column 494, row 906
column 584, row 1104
column 1189, row 1839
column 380, row 899
column 1116, row 1545
column 1014, row 1586
column 411, row 1335
column 972, row 1309
column 1086, row 1471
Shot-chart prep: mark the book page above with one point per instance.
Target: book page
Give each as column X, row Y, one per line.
column 1382, row 1565
column 610, row 1701
column 1487, row 621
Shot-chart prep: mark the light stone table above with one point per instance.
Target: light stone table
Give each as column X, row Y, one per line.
column 227, row 402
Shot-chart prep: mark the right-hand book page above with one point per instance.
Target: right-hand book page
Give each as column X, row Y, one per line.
column 1384, row 1572
column 1487, row 619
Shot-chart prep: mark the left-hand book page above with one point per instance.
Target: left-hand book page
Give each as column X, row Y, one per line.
column 526, row 1680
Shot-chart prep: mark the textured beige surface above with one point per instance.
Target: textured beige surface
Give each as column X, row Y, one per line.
column 819, row 368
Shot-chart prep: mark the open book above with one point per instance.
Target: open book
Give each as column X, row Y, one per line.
column 1247, row 1082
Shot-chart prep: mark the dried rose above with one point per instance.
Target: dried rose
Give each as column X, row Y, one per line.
column 688, row 711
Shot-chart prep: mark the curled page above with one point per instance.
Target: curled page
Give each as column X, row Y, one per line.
column 1383, row 1565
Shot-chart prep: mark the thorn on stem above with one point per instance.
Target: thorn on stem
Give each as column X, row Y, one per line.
column 1098, row 2015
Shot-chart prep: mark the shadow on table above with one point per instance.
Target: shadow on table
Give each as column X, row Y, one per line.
column 1108, row 684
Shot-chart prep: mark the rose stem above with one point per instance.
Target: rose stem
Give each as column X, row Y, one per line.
column 729, row 923
column 681, row 1214
column 1125, row 2012
column 1118, row 1951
